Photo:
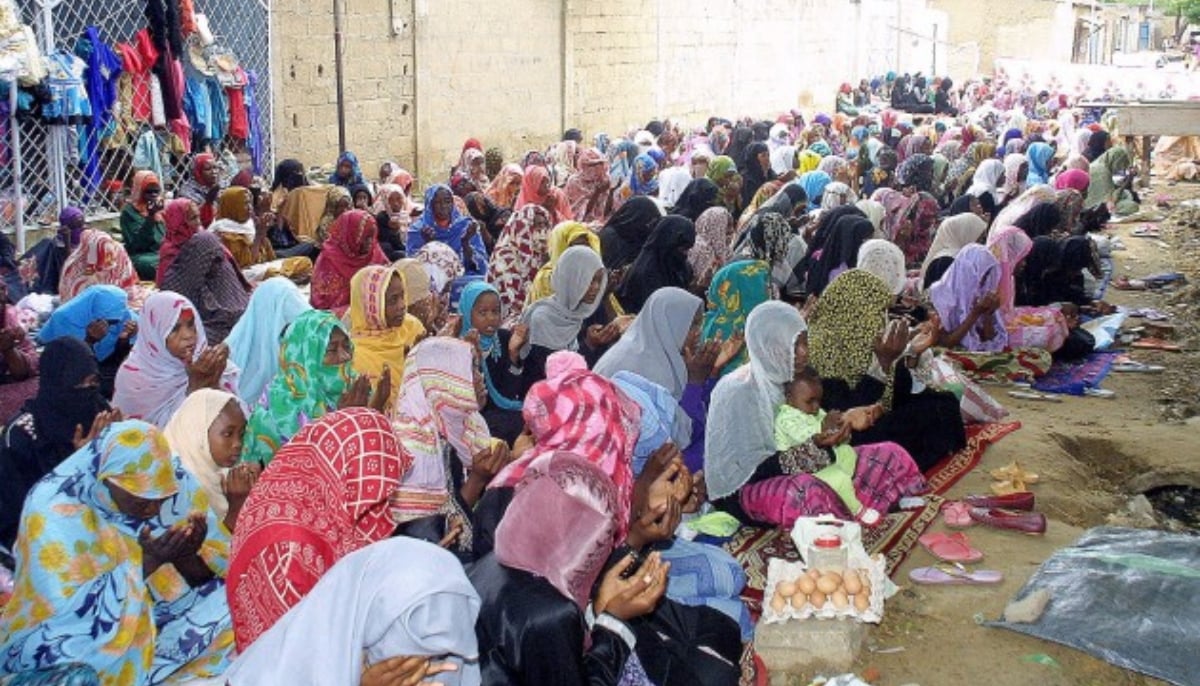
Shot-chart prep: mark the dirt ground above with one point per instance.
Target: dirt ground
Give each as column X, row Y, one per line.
column 1092, row 455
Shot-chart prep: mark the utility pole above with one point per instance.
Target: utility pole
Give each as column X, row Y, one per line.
column 338, row 74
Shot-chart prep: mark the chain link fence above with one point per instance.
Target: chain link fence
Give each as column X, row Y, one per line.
column 63, row 165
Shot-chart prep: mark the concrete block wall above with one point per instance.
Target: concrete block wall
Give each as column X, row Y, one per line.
column 1028, row 29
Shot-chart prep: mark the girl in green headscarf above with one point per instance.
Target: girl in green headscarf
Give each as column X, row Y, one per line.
column 1103, row 189
column 723, row 172
column 314, row 371
column 736, row 289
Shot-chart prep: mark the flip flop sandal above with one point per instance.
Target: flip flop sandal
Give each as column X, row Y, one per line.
column 1100, row 393
column 1030, row 395
column 956, row 575
column 957, row 515
column 1155, row 344
column 1139, row 367
column 1146, row 231
column 1013, row 471
column 950, row 547
column 1125, row 283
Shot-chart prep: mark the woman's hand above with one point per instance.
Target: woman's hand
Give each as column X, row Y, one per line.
column 891, row 343
column 357, row 395
column 383, row 391
column 517, row 339
column 489, row 461
column 129, row 330
column 601, row 336
column 180, row 542
column 237, row 483
column 404, row 671
column 729, row 350
column 99, row 424
column 454, row 529
column 206, row 370
column 987, row 304
column 657, row 523
column 638, row 595
column 95, row 332
column 700, row 357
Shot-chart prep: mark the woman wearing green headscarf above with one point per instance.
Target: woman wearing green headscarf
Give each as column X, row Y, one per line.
column 736, row 289
column 315, row 376
column 1103, row 189
column 723, row 172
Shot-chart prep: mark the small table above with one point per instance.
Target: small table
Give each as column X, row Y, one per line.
column 1156, row 118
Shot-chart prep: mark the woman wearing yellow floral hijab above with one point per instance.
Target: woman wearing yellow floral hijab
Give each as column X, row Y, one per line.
column 120, row 566
column 382, row 330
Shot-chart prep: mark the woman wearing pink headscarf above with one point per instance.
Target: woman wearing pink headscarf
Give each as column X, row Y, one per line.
column 538, row 189
column 587, row 191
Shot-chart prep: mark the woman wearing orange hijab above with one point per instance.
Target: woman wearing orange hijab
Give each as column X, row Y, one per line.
column 142, row 225
column 538, row 189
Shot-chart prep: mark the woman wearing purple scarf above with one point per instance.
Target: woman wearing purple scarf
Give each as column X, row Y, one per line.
column 42, row 265
column 967, row 302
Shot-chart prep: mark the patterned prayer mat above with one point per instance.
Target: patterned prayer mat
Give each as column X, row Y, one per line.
column 1075, row 379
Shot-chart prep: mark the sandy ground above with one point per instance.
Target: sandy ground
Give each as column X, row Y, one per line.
column 1092, row 455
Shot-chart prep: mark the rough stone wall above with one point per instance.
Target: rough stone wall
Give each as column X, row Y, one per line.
column 378, row 85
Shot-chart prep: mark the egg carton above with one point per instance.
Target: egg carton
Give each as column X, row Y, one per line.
column 780, row 571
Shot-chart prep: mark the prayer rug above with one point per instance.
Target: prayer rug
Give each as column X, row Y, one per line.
column 895, row 538
column 1076, row 378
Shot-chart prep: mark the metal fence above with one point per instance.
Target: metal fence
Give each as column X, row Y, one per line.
column 53, row 168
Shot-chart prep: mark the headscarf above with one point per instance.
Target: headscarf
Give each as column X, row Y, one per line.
column 1070, row 205
column 807, row 160
column 71, row 319
column 304, row 388
column 587, row 189
column 334, row 195
column 289, row 174
column 554, row 201
column 206, row 274
column 436, row 407
column 554, row 322
column 620, row 161
column 1076, row 179
column 489, row 345
column 741, row 431
column 99, row 259
column 847, row 320
column 570, row 547
column 378, row 610
column 143, row 181
column 376, row 343
column 626, row 231
column 452, row 233
column 493, row 161
column 987, row 179
column 840, row 252
column 814, row 183
column 720, row 168
column 187, row 434
column 642, row 165
column 355, row 177
column 662, row 419
column 583, row 413
column 699, row 195
column 60, row 404
column 652, row 347
column 834, row 166
column 273, row 306
column 1101, row 172
column 178, row 233
column 1040, row 154
column 325, row 496
column 916, row 171
column 503, row 189
column 519, row 253
column 1043, row 220
column 837, row 194
column 342, row 256
column 736, row 289
column 766, row 238
column 561, row 237
column 974, row 272
column 875, row 212
column 954, row 234
column 717, row 230
column 753, row 175
column 886, row 261
column 1012, row 174
column 783, row 159
column 441, row 263
column 766, row 197
column 152, row 383
column 1034, row 286
column 1009, row 245
column 1020, row 206
column 79, row 576
column 1097, row 145
column 661, row 263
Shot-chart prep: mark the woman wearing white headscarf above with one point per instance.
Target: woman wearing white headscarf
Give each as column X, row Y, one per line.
column 254, row 341
column 989, row 177
column 206, row 433
column 885, row 260
column 557, row 322
column 393, row 600
column 953, row 235
column 653, row 346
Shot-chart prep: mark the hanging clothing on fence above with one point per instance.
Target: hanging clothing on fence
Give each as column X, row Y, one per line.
column 254, row 143
column 103, row 71
column 69, row 102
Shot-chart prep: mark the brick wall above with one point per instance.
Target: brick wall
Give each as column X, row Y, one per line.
column 424, row 75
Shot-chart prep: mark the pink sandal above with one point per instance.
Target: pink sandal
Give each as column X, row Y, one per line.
column 957, row 515
column 950, row 547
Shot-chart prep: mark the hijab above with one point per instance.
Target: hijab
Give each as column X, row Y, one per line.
column 1009, row 245
column 561, row 237
column 644, row 165
column 489, row 345
column 715, row 230
column 652, row 347
column 206, row 274
column 1097, row 145
column 814, row 183
column 342, row 256
column 699, row 195
column 836, row 195
column 974, row 273
column 71, row 319
column 436, row 407
column 1040, row 154
column 886, row 261
column 560, row 525
column 60, row 405
column 1101, row 172
column 503, row 189
column 325, row 496
column 152, row 383
column 376, row 343
column 847, row 321
column 187, row 433
column 839, row 253
column 1044, row 219
column 916, row 171
column 1012, row 174
column 587, row 189
column 378, row 610
column 987, row 179
column 304, row 388
column 735, row 291
column 453, row 231
column 531, row 194
column 99, row 259
column 289, row 174
column 272, row 308
column 661, row 263
column 740, row 433
column 554, row 322
column 626, row 231
column 954, row 234
column 355, row 178
column 1076, row 179
column 519, row 253
column 178, row 233
column 753, row 175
